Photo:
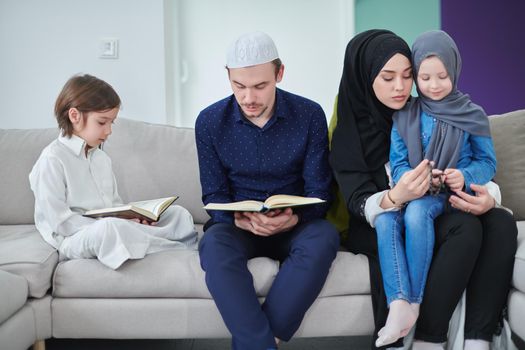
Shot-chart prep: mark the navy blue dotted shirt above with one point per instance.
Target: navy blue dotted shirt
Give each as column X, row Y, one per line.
column 240, row 161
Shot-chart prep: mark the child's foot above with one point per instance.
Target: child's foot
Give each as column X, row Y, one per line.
column 401, row 318
column 415, row 309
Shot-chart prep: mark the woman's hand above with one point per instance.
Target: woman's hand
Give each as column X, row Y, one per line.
column 413, row 184
column 477, row 205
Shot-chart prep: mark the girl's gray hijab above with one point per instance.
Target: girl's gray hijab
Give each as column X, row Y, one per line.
column 455, row 113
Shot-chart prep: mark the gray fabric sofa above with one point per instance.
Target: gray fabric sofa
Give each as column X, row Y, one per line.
column 508, row 131
column 164, row 294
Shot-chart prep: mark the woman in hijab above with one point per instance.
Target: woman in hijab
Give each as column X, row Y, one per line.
column 471, row 251
column 445, row 127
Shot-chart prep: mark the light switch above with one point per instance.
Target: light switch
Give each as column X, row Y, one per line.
column 108, row 48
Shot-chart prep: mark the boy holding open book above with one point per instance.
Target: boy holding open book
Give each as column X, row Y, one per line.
column 73, row 175
column 263, row 141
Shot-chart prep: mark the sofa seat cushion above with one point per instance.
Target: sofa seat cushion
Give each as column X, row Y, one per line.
column 178, row 274
column 24, row 252
column 516, row 314
column 13, row 294
column 348, row 275
column 167, row 274
column 518, row 277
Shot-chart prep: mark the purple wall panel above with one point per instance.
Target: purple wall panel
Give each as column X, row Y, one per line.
column 491, row 39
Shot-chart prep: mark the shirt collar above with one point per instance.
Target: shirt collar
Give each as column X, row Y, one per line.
column 279, row 111
column 280, row 107
column 74, row 143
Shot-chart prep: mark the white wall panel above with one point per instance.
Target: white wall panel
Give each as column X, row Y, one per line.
column 310, row 35
column 43, row 43
column 171, row 52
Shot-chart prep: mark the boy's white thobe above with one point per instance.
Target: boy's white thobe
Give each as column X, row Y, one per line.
column 66, row 183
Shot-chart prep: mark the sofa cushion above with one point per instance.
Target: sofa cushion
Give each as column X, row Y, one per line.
column 18, row 332
column 349, row 274
column 516, row 314
column 178, row 274
column 518, row 277
column 20, row 150
column 154, row 161
column 167, row 274
column 13, row 294
column 508, row 132
column 23, row 252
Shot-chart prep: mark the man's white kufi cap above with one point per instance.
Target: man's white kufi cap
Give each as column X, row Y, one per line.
column 251, row 49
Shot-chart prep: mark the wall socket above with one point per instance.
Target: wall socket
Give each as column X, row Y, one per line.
column 108, row 48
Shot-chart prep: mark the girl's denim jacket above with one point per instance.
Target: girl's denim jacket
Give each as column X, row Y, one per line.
column 477, row 160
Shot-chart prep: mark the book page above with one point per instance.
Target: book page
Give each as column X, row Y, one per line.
column 126, row 212
column 108, row 210
column 236, row 206
column 155, row 206
column 285, row 200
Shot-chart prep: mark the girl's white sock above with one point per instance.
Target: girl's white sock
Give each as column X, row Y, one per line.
column 401, row 318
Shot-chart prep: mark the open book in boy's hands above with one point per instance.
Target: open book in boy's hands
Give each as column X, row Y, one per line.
column 274, row 202
column 144, row 210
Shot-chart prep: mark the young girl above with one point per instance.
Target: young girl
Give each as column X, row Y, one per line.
column 73, row 175
column 445, row 127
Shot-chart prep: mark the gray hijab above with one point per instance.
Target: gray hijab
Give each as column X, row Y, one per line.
column 455, row 113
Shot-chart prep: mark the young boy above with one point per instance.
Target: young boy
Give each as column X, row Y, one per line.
column 73, row 175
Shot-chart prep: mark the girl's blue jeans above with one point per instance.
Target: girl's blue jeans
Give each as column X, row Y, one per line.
column 405, row 241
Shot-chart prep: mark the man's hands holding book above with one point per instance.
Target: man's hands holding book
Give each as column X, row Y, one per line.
column 267, row 224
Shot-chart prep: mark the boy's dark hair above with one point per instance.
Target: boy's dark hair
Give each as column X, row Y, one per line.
column 87, row 94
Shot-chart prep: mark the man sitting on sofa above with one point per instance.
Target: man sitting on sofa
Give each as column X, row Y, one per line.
column 259, row 142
